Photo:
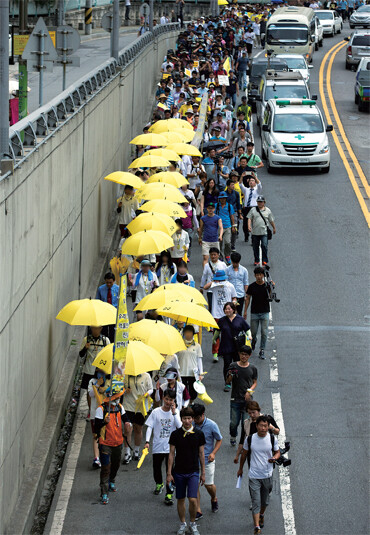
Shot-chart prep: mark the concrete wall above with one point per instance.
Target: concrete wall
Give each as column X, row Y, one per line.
column 55, row 212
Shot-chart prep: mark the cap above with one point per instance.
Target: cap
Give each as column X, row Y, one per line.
column 244, row 98
column 219, row 275
column 261, row 198
column 145, row 262
column 211, row 205
column 171, row 374
column 218, row 128
column 189, row 112
column 219, row 114
column 178, row 84
column 222, row 194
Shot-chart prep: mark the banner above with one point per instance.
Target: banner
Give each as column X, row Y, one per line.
column 223, row 79
column 121, row 339
column 197, row 139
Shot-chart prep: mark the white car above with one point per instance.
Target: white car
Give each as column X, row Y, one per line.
column 360, row 17
column 331, row 22
column 297, row 63
column 294, row 135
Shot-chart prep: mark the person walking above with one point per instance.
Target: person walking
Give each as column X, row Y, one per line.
column 238, row 276
column 165, row 268
column 190, row 359
column 262, row 451
column 144, row 283
column 243, row 379
column 241, row 68
column 213, row 443
column 109, row 293
column 161, row 422
column 127, row 206
column 187, row 469
column 259, row 219
column 213, row 264
column 250, row 193
column 181, row 242
column 210, row 231
column 233, row 198
column 226, row 212
column 173, row 384
column 260, row 309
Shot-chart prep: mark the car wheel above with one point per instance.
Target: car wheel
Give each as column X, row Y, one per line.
column 340, row 30
column 356, row 99
column 264, row 157
column 360, row 106
column 332, row 33
column 316, row 46
column 325, row 169
column 348, row 66
column 351, row 26
column 321, row 42
column 270, row 170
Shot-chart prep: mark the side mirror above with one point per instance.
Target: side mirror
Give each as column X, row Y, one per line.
column 329, row 128
column 314, row 97
column 266, row 128
column 312, row 38
column 310, row 66
column 258, row 97
column 346, row 38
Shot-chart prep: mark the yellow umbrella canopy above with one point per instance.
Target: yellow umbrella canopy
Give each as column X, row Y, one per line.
column 140, row 358
column 154, row 140
column 184, row 148
column 157, row 334
column 170, row 293
column 168, row 177
column 180, row 123
column 222, row 2
column 152, row 221
column 147, row 242
column 188, row 135
column 160, row 191
column 188, row 313
column 125, row 179
column 165, row 153
column 168, row 125
column 175, row 137
column 91, row 312
column 164, row 207
column 149, row 161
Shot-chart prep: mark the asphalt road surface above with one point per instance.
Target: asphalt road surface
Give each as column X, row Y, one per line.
column 317, row 362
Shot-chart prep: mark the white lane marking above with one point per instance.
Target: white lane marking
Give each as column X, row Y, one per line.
column 258, row 53
column 274, row 372
column 69, row 476
column 284, row 476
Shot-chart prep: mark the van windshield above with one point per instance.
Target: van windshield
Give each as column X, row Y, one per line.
column 258, row 69
column 305, row 123
column 285, row 91
column 296, row 34
column 324, row 16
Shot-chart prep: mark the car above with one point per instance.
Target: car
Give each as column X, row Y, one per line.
column 357, row 48
column 297, row 63
column 294, row 135
column 362, row 84
column 280, row 85
column 360, row 17
column 331, row 22
column 319, row 33
column 256, row 70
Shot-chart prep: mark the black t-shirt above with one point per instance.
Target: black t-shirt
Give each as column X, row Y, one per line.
column 244, row 380
column 187, row 450
column 260, row 298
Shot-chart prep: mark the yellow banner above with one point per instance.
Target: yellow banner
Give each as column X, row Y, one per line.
column 20, row 42
column 197, row 139
column 121, row 340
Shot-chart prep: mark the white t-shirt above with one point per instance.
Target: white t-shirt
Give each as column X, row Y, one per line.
column 145, row 286
column 127, row 213
column 261, row 452
column 189, row 359
column 194, row 181
column 249, row 37
column 181, row 244
column 162, row 423
column 223, row 292
column 139, row 385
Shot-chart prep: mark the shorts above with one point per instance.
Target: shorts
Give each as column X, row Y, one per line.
column 86, row 379
column 210, row 473
column 186, row 481
column 135, row 417
column 206, row 245
column 249, row 48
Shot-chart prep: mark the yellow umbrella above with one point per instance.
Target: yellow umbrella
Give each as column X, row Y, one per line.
column 152, row 221
column 170, row 293
column 189, row 313
column 164, row 207
column 175, row 137
column 159, row 190
column 179, row 123
column 125, row 179
column 147, row 242
column 165, row 153
column 157, row 334
column 188, row 135
column 91, row 312
column 222, row 2
column 168, row 177
column 154, row 140
column 149, row 161
column 168, row 125
column 103, row 359
column 184, row 148
column 140, row 358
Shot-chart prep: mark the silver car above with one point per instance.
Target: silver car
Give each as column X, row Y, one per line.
column 360, row 17
column 358, row 47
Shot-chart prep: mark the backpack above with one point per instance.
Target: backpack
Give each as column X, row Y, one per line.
column 218, row 209
column 249, row 442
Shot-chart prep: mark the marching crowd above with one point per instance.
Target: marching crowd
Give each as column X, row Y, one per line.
column 224, row 207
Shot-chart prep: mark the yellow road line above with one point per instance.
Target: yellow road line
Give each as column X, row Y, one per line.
column 334, row 50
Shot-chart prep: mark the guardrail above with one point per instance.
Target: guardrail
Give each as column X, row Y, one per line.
column 28, row 134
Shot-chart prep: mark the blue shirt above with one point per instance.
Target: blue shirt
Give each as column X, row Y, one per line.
column 211, row 433
column 225, row 213
column 238, row 279
column 221, row 180
column 342, row 4
column 210, row 228
column 102, row 294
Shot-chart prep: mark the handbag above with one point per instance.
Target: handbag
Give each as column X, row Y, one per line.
column 269, row 231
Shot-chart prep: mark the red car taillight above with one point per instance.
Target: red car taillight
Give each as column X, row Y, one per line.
column 349, row 51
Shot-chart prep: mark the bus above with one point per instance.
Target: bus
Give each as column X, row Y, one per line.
column 291, row 30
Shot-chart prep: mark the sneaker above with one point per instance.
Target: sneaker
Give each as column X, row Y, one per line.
column 256, row 263
column 214, row 506
column 158, row 489
column 136, row 456
column 227, row 388
column 194, row 529
column 215, row 357
column 232, row 441
column 182, row 529
column 262, row 354
column 104, row 499
column 127, row 458
column 262, row 520
column 112, row 487
column 198, row 516
column 257, row 530
column 264, row 263
column 96, row 463
column 168, row 499
column 87, row 417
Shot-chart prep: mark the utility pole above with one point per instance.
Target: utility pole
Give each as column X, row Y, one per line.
column 4, row 79
column 60, row 13
column 22, row 64
column 151, row 3
column 88, row 17
column 115, row 30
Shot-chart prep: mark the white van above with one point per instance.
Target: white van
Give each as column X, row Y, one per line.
column 294, row 135
column 292, row 30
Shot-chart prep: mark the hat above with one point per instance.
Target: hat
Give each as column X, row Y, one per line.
column 222, row 194
column 162, row 95
column 219, row 114
column 190, row 111
column 218, row 128
column 219, row 275
column 244, row 98
column 261, row 198
column 178, row 84
column 211, row 205
column 171, row 373
column 145, row 262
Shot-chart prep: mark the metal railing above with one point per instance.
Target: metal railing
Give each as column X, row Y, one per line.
column 27, row 135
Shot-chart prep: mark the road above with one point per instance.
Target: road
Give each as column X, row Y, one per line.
column 317, row 366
